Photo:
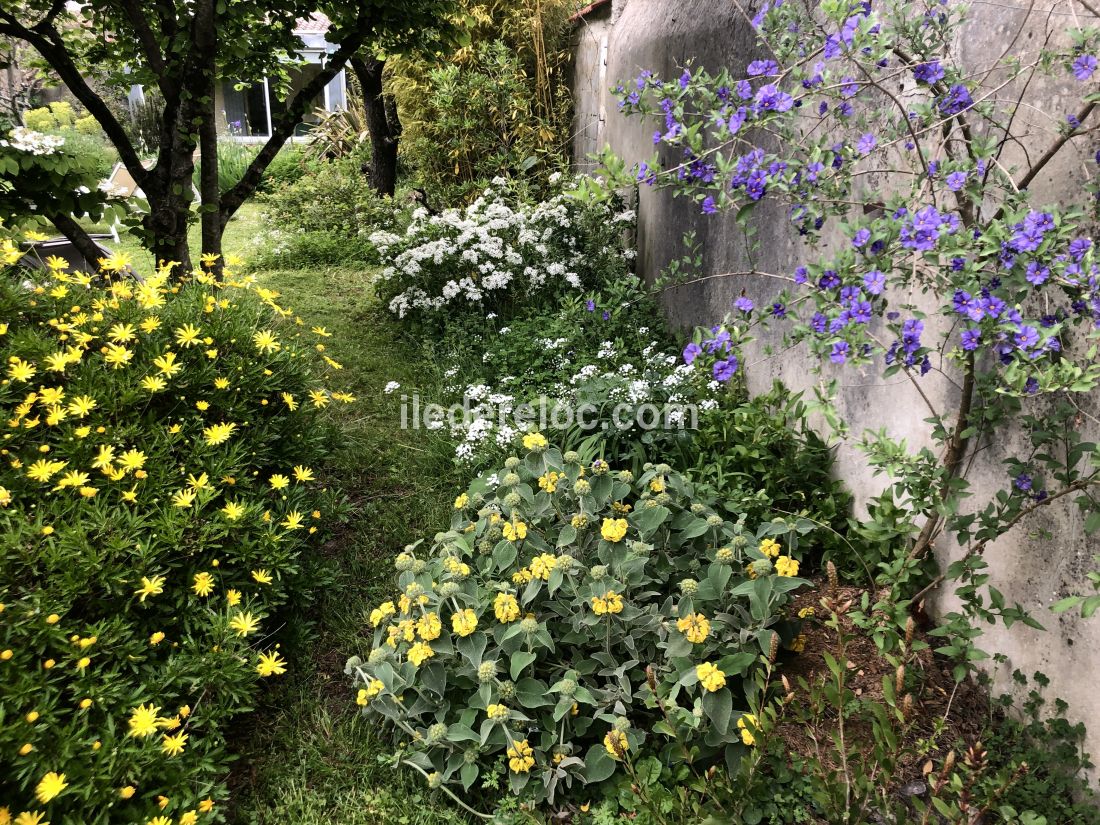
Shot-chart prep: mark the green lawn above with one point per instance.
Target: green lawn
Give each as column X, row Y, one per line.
column 305, row 755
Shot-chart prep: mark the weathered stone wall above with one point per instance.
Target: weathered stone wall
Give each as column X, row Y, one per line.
column 1045, row 557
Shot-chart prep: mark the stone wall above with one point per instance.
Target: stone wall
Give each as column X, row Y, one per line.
column 1046, row 556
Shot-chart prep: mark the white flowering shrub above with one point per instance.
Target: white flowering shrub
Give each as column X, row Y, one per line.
column 499, row 252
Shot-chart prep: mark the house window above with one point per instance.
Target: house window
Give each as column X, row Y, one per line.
column 247, row 113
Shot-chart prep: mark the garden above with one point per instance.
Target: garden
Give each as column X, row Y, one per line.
column 364, row 471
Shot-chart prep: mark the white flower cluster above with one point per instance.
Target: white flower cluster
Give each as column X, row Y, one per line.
column 35, row 143
column 492, row 248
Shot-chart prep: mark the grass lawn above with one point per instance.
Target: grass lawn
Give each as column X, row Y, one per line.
column 305, row 755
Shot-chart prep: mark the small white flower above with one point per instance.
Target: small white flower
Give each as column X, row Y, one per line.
column 391, row 388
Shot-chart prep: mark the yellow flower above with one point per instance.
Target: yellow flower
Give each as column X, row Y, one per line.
column 118, row 356
column 167, row 364
column 83, row 662
column 132, row 460
column 115, row 262
column 375, row 687
column 786, row 566
column 293, row 521
column 515, row 531
column 319, row 398
column 798, row 643
column 150, row 587
column 615, row 744
column 50, row 786
column 549, row 481
column 156, row 638
column 710, row 677
column 613, row 529
column 204, row 584
column 121, row 333
column 153, row 383
column 464, row 623
column 609, row 602
column 497, row 712
column 20, row 370
column 82, row 405
column 233, row 597
column 30, row 818
column 218, row 433
column 271, row 664
column 379, row 614
column 127, row 791
column 542, row 565
column 189, row 818
column 429, row 626
column 748, row 726
column 462, row 501
column 143, row 720
column 183, row 498
column 150, row 324
column 695, row 627
column 207, row 805
column 244, row 623
column 266, row 341
column 174, row 745
column 262, row 576
column 534, row 441
column 506, row 607
column 188, row 335
column 278, row 481
column 420, row 652
column 805, row 612
column 521, row 757
column 769, row 547
column 232, row 510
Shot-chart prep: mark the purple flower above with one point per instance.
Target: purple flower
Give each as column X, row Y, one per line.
column 763, row 67
column 971, row 338
column 818, row 322
column 874, row 282
column 1026, row 338
column 800, row 275
column 708, row 206
column 956, row 181
column 606, row 315
column 839, row 353
column 829, row 280
column 778, row 310
column 691, row 352
column 1084, row 66
column 1023, row 482
column 685, row 79
column 956, row 100
column 590, row 305
column 1036, row 273
column 724, row 370
column 737, row 119
column 1031, row 386
column 929, row 72
column 770, row 98
column 1072, row 121
column 744, row 89
column 744, row 304
column 1078, row 247
column 866, row 144
column 861, row 237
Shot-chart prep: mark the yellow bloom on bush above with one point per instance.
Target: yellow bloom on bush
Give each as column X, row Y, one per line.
column 262, row 576
column 613, row 529
column 535, row 442
column 379, row 614
column 521, row 757
column 429, row 626
column 748, row 726
column 373, row 688
column 710, row 677
column 694, row 626
column 150, row 587
column 278, row 481
column 615, row 743
column 271, row 664
column 549, row 481
column 266, row 342
column 419, row 653
column 543, row 565
column 49, row 786
column 244, row 623
column 464, row 623
column 514, row 531
column 786, row 566
column 173, row 745
column 506, row 608
column 609, row 602
column 204, row 584
column 497, row 712
column 217, row 434
column 143, row 720
column 769, row 547
column 462, row 501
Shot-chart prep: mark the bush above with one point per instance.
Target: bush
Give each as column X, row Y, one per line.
column 499, row 253
column 233, row 160
column 574, row 620
column 289, row 166
column 156, row 498
column 302, row 250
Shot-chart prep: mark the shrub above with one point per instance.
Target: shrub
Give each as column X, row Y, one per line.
column 289, row 166
column 156, row 498
column 574, row 620
column 233, row 160
column 335, row 198
column 302, row 250
column 498, row 253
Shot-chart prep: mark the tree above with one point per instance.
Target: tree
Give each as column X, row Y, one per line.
column 182, row 49
column 383, row 123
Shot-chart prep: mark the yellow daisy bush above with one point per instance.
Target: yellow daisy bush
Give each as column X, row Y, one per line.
column 545, row 597
column 140, row 536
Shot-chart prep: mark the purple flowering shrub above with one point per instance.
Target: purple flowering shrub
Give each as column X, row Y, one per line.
column 894, row 194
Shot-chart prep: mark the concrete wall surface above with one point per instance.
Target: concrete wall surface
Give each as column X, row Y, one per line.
column 1042, row 559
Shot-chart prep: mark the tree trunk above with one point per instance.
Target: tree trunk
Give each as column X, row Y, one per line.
column 80, row 239
column 383, row 124
column 209, row 187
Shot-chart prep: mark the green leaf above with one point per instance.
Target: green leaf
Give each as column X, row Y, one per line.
column 718, row 706
column 598, row 766
column 520, row 660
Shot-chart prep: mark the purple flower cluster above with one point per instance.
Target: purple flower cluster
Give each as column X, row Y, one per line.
column 927, row 226
column 1027, row 236
column 751, row 175
column 956, row 100
column 907, row 349
column 719, row 345
column 930, row 72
